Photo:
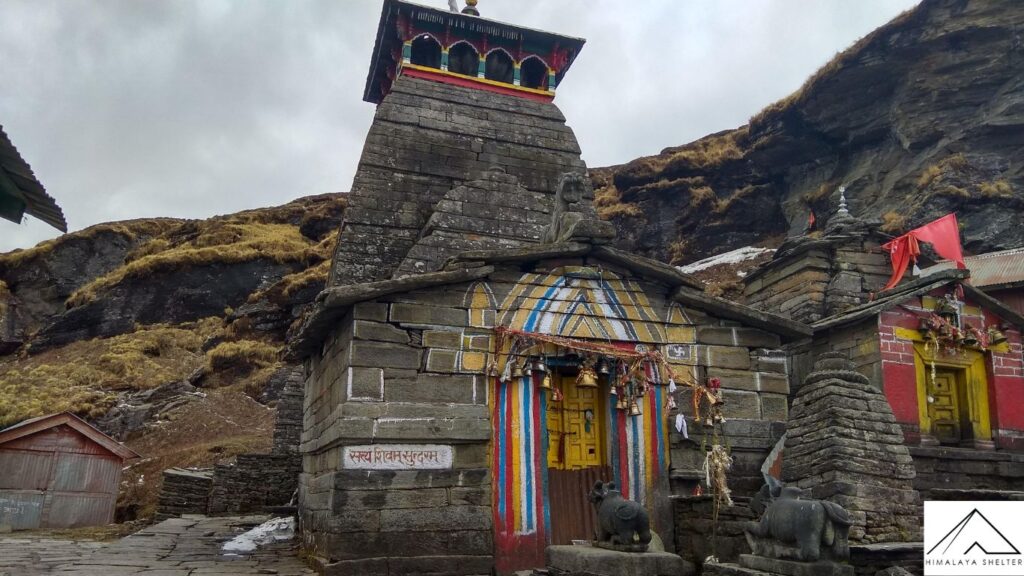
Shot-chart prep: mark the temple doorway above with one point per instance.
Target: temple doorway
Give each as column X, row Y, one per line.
column 577, row 454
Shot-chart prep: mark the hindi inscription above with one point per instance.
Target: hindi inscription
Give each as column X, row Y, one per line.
column 397, row 457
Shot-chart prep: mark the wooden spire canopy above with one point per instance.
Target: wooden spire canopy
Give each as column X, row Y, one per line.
column 466, row 50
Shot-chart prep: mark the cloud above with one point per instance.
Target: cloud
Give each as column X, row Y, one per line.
column 138, row 108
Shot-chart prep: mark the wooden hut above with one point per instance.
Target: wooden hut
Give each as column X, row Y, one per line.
column 57, row 471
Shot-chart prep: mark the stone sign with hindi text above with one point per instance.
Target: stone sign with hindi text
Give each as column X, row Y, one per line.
column 397, row 457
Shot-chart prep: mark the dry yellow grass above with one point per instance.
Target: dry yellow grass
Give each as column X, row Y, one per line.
column 943, row 168
column 218, row 242
column 242, row 356
column 131, row 229
column 84, row 377
column 999, row 189
column 893, row 223
column 609, row 204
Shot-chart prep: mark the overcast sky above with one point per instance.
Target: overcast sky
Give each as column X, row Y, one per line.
column 190, row 108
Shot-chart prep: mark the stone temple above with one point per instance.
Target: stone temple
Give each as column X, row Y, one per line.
column 482, row 354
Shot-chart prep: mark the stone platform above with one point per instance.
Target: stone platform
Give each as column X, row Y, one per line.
column 750, row 565
column 591, row 561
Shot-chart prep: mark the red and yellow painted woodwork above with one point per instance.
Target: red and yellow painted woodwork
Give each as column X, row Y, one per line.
column 555, row 60
column 983, row 389
column 584, row 304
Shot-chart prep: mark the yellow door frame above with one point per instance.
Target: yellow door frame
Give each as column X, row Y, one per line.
column 975, row 381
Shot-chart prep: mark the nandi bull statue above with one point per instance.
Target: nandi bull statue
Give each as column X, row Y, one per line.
column 797, row 529
column 622, row 524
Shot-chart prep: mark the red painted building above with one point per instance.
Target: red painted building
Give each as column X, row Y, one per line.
column 948, row 357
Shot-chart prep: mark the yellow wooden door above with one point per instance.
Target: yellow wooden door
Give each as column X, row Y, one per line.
column 576, row 459
column 944, row 405
column 575, row 427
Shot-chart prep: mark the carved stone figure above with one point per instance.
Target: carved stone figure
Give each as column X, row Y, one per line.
column 568, row 221
column 794, row 528
column 623, row 525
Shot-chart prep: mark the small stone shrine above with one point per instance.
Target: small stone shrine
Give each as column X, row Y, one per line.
column 843, row 444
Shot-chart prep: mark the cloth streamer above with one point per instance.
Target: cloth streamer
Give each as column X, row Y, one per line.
column 944, row 236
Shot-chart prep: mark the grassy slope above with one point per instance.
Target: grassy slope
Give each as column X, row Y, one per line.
column 86, row 377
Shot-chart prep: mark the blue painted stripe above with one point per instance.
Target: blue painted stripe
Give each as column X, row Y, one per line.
column 619, row 309
column 635, row 454
column 531, row 320
column 527, row 417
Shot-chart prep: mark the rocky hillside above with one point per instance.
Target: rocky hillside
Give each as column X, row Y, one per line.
column 921, row 117
column 165, row 333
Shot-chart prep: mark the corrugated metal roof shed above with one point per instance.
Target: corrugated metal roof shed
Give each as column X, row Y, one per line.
column 57, row 471
column 21, row 193
column 992, row 270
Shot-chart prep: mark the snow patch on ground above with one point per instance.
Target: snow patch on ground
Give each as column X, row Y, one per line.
column 273, row 530
column 732, row 257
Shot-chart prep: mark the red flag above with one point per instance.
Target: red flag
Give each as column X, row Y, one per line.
column 944, row 236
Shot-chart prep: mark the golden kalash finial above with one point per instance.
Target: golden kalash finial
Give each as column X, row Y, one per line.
column 471, row 8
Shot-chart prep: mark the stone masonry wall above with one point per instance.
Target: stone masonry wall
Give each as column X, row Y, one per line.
column 794, row 286
column 254, row 482
column 859, row 343
column 184, row 492
column 965, row 469
column 426, row 139
column 698, row 535
column 394, row 372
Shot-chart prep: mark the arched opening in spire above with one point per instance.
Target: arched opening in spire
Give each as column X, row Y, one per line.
column 463, row 59
column 499, row 66
column 534, row 73
column 426, row 51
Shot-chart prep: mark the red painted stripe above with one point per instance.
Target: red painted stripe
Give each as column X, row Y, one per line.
column 540, row 495
column 469, row 83
column 624, row 459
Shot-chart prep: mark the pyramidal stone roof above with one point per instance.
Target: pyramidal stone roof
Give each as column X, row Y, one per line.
column 843, row 445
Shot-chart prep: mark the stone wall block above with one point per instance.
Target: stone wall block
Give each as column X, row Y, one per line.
column 434, row 519
column 367, row 330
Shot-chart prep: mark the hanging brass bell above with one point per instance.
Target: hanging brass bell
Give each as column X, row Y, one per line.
column 602, row 366
column 538, row 366
column 517, row 372
column 546, row 382
column 622, row 404
column 528, row 368
column 995, row 335
column 613, row 390
column 634, row 408
column 587, row 378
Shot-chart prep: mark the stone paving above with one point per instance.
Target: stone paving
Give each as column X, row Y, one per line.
column 187, row 546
